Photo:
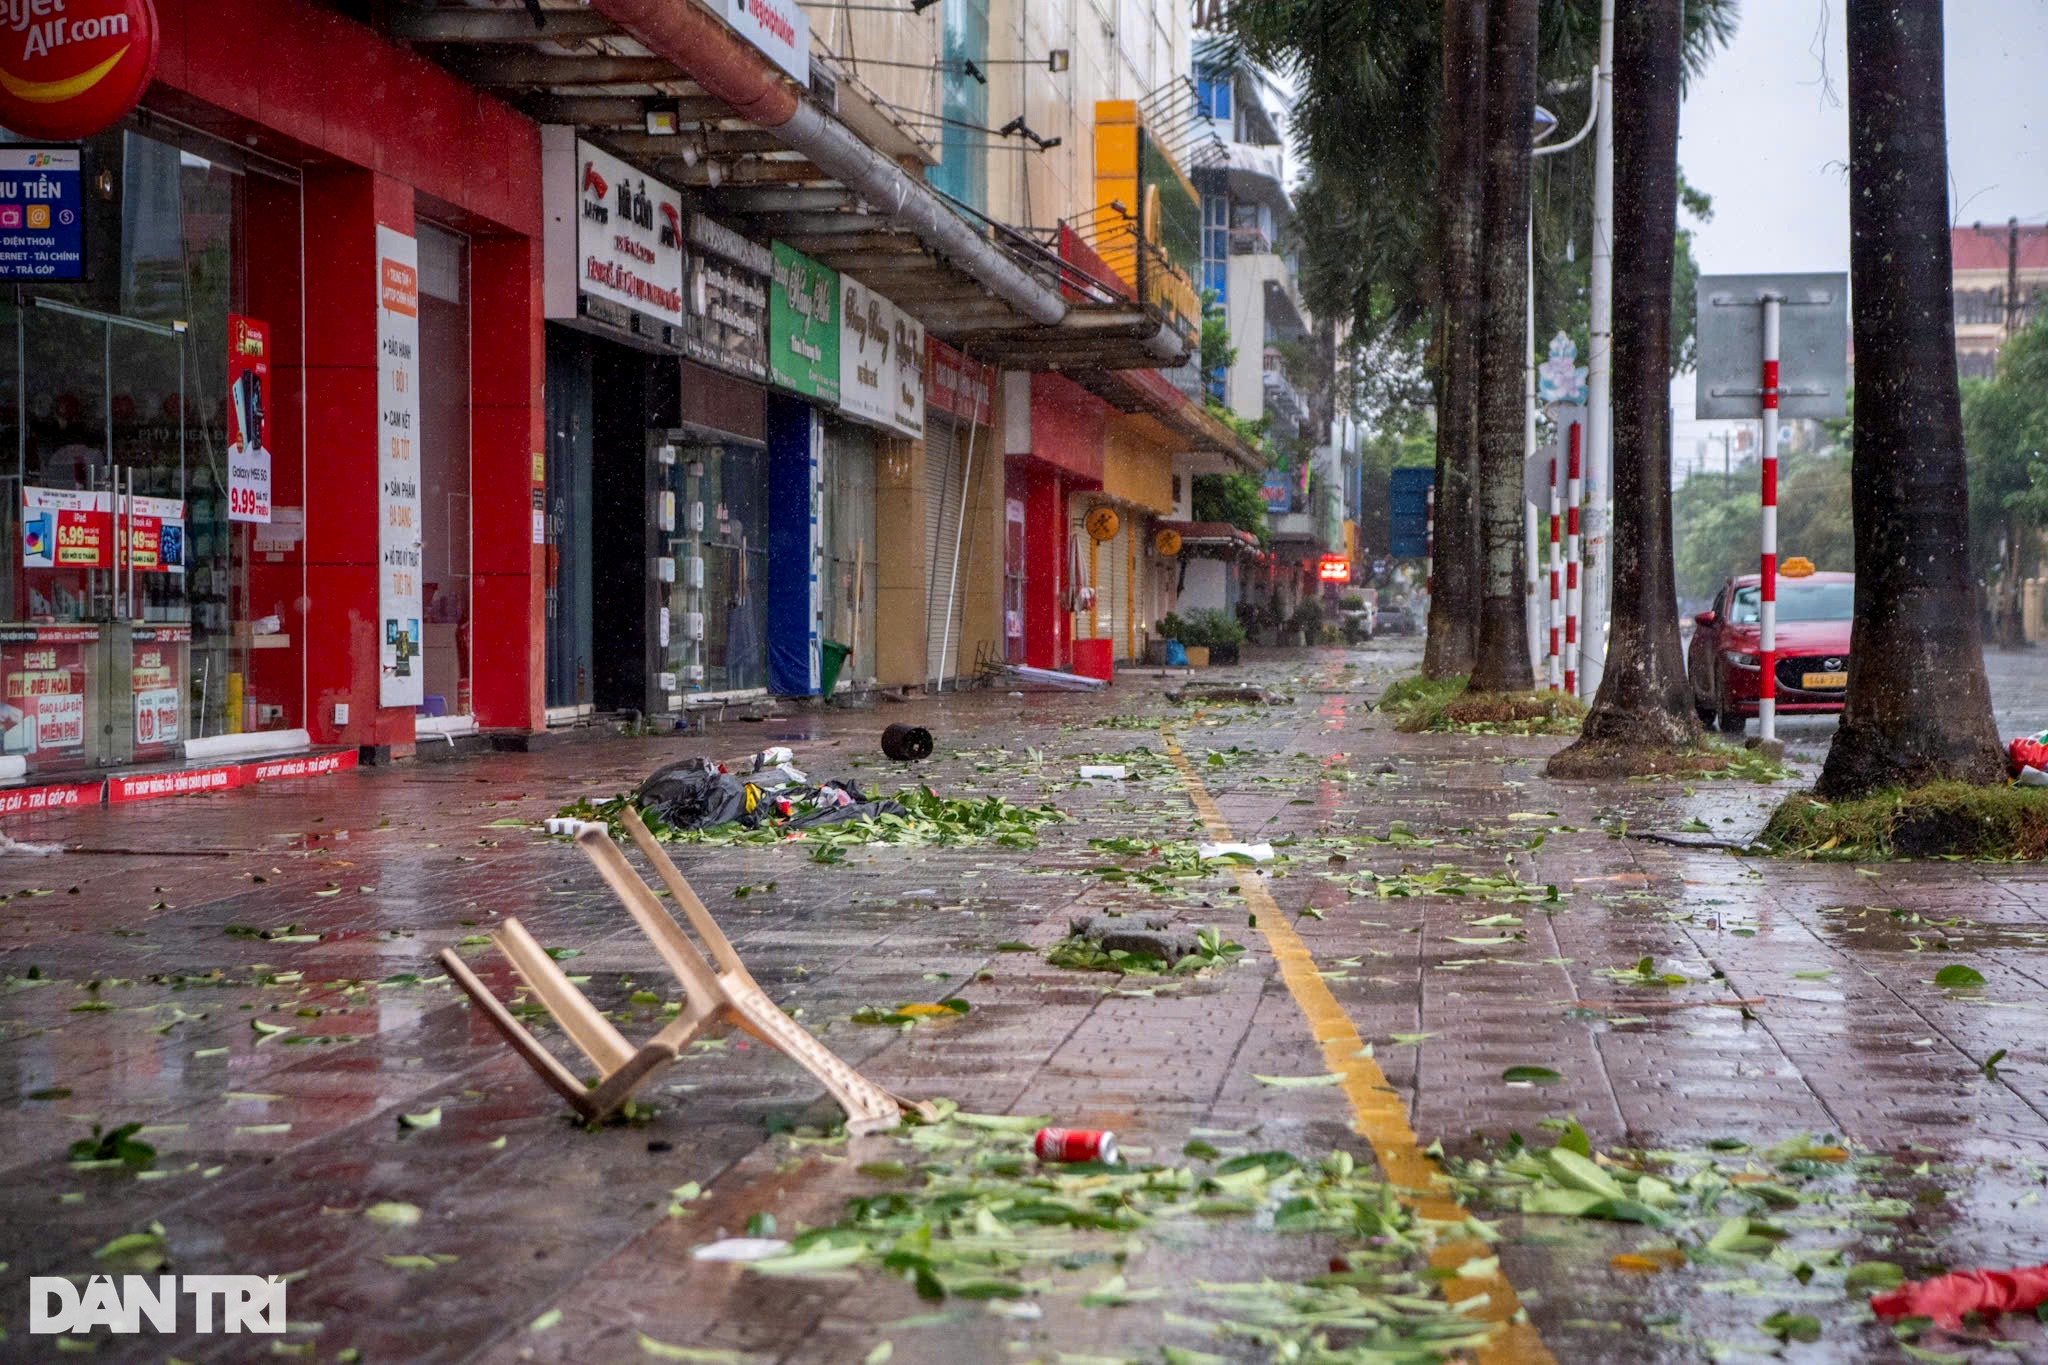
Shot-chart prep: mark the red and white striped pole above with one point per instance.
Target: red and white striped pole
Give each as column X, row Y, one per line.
column 1555, row 671
column 1574, row 494
column 1767, row 651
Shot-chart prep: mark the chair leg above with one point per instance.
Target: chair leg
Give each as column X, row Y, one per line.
column 558, row 1077
column 685, row 896
column 588, row 1029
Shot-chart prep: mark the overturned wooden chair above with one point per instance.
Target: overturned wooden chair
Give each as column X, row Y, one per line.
column 722, row 994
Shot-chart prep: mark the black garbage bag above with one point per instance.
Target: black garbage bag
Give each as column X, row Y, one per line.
column 694, row 795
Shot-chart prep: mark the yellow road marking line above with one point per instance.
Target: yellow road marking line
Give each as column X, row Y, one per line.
column 1377, row 1112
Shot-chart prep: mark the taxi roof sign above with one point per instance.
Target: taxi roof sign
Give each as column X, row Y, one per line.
column 1796, row 567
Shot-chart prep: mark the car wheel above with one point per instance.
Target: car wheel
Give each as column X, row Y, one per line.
column 1728, row 723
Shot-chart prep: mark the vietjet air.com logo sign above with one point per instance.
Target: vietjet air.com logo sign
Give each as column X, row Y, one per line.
column 69, row 68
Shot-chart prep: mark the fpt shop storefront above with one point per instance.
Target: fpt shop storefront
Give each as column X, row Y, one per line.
column 249, row 415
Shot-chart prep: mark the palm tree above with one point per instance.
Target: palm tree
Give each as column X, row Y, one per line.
column 1453, row 640
column 1918, row 709
column 1382, row 95
column 1645, row 702
column 1502, row 662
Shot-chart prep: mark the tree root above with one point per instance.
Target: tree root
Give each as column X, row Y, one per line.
column 1613, row 759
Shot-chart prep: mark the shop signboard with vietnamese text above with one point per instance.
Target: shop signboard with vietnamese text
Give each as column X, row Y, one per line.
column 42, row 716
column 907, row 404
column 400, row 676
column 726, row 322
column 958, row 386
column 248, row 419
column 71, row 68
column 613, row 244
column 803, row 325
column 42, row 214
column 777, row 29
column 867, row 353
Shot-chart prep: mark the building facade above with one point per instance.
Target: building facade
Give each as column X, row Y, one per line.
column 275, row 425
column 423, row 375
column 2001, row 285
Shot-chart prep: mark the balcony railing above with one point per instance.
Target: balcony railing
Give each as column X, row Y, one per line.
column 1250, row 241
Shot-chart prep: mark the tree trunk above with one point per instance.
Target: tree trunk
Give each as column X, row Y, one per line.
column 1460, row 155
column 1502, row 663
column 1645, row 700
column 1918, row 708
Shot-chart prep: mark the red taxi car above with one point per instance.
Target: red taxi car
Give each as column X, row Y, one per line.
column 1814, row 615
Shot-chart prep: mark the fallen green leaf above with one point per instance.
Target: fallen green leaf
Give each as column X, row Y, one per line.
column 1532, row 1075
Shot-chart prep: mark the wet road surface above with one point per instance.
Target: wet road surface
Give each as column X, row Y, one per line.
column 268, row 1006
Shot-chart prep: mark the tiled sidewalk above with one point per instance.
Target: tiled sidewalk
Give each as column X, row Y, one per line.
column 133, row 999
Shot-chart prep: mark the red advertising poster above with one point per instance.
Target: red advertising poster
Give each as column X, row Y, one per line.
column 63, row 796
column 65, row 528
column 316, row 765
column 248, row 419
column 144, row 786
column 43, row 713
column 155, row 531
column 226, row 777
column 155, row 682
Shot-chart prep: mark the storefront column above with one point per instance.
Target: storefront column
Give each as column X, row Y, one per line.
column 900, row 564
column 343, row 210
column 277, row 579
column 506, row 475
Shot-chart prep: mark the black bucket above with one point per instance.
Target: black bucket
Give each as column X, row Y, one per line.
column 907, row 743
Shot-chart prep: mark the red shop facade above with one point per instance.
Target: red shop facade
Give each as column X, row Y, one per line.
column 1054, row 434
column 274, row 411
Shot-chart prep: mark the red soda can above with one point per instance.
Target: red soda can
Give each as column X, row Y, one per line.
column 1076, row 1144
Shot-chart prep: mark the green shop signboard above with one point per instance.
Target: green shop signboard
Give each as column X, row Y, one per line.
column 803, row 326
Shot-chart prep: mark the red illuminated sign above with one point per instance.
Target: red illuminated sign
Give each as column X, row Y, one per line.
column 1334, row 569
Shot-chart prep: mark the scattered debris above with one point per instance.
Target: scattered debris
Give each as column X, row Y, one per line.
column 1144, row 935
column 1071, row 1145
column 1237, row 852
column 1946, row 1298
column 1226, row 694
column 741, row 1249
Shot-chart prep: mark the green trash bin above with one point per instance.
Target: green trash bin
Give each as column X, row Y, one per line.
column 834, row 660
